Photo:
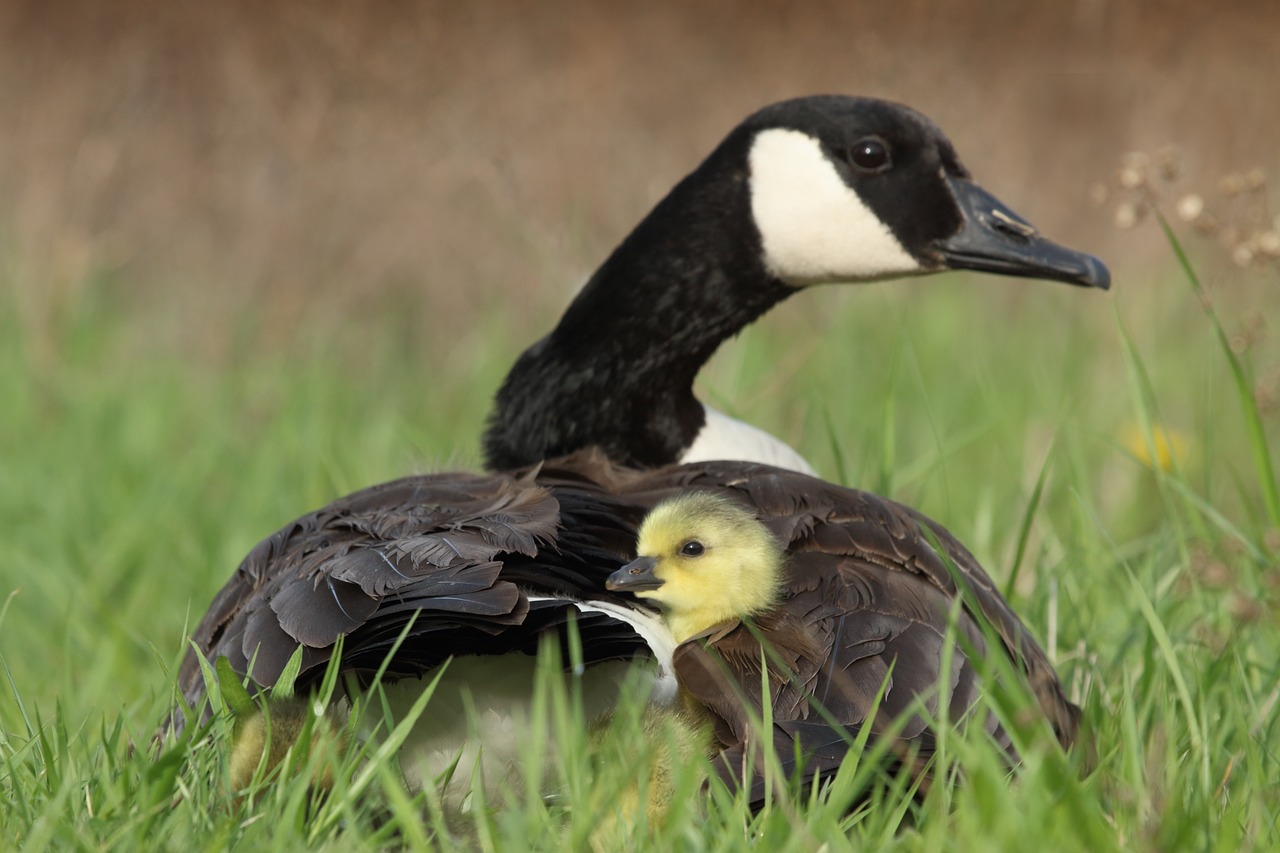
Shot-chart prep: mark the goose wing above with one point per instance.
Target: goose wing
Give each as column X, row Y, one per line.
column 478, row 562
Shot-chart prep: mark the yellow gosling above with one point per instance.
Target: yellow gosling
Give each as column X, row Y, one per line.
column 706, row 559
column 673, row 737
column 277, row 731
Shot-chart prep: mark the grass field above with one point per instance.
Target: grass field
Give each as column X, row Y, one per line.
column 136, row 468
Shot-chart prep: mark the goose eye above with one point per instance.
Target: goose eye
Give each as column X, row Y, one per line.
column 870, row 155
column 692, row 548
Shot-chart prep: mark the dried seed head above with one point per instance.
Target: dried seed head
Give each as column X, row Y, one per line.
column 1205, row 223
column 1131, row 178
column 1209, row 569
column 1190, row 207
column 1245, row 608
column 1128, row 215
column 1242, row 255
column 1133, row 170
column 1232, row 184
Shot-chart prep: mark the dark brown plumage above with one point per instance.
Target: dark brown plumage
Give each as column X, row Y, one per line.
column 866, row 597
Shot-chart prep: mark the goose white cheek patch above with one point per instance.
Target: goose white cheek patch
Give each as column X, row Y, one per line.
column 814, row 227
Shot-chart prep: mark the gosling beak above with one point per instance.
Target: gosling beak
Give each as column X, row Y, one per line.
column 635, row 576
column 995, row 239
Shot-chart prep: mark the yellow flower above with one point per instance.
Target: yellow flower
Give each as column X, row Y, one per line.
column 1161, row 449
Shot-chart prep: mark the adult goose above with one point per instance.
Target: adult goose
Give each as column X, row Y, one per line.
column 820, row 189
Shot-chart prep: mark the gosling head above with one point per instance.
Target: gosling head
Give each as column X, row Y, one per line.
column 706, row 560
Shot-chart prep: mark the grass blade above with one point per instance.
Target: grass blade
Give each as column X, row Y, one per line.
column 1244, row 389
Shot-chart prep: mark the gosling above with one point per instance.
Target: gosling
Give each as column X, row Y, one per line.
column 706, row 560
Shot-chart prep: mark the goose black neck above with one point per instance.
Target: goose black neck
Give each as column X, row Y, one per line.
column 617, row 372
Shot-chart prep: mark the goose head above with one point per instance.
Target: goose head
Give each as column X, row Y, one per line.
column 706, row 560
column 855, row 189
column 815, row 190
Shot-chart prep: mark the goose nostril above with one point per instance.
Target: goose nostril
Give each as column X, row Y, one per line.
column 1006, row 223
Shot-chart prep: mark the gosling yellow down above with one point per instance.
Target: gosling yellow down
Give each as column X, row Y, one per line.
column 706, row 560
column 264, row 739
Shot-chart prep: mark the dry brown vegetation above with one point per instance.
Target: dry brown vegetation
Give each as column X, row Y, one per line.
column 294, row 160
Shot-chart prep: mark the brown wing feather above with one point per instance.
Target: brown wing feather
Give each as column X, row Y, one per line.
column 421, row 543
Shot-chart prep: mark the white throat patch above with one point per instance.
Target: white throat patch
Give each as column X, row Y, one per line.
column 723, row 437
column 814, row 227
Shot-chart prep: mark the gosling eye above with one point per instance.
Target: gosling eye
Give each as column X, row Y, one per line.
column 870, row 155
column 692, row 548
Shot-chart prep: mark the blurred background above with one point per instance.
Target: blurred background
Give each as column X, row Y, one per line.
column 308, row 162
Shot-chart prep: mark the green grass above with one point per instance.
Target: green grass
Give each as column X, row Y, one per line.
column 136, row 469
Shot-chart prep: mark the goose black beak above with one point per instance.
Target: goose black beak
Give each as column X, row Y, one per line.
column 635, row 576
column 995, row 239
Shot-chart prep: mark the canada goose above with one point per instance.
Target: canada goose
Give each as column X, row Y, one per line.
column 807, row 191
